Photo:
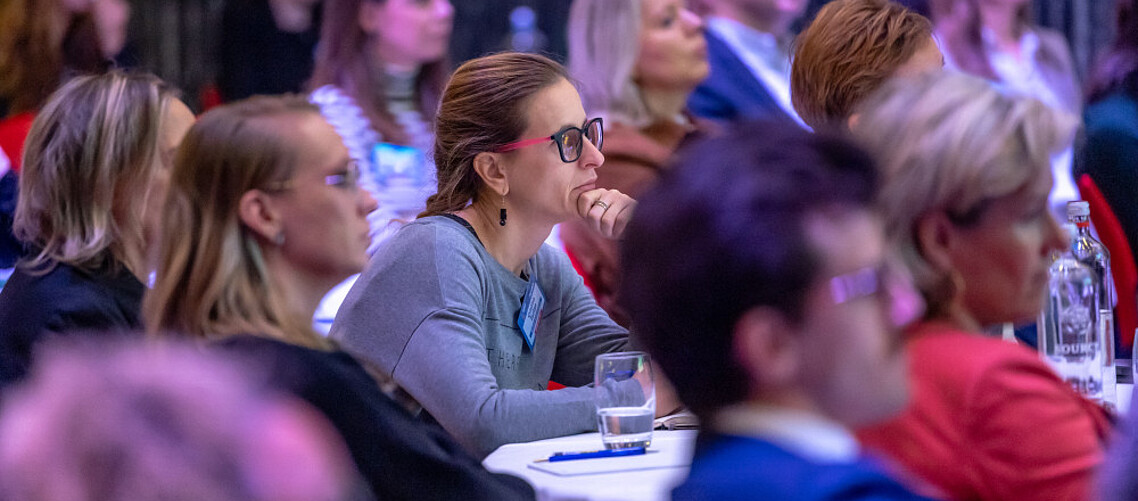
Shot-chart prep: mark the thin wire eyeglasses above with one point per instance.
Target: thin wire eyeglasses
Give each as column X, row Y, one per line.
column 570, row 140
column 347, row 179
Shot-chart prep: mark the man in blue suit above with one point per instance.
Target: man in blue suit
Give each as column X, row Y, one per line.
column 758, row 277
column 747, row 48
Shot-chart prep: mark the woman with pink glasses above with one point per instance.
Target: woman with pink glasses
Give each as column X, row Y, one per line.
column 465, row 307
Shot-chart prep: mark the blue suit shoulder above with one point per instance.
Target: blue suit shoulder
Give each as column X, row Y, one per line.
column 731, row 91
column 729, row 467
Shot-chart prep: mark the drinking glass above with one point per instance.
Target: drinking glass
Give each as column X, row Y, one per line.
column 625, row 398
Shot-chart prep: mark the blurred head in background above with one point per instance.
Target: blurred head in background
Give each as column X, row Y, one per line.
column 41, row 41
column 97, row 162
column 850, row 49
column 366, row 45
column 636, row 61
column 966, row 173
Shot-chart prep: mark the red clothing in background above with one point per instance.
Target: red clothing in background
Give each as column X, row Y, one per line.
column 13, row 131
column 989, row 420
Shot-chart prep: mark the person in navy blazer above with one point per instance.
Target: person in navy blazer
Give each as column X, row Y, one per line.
column 758, row 277
column 746, row 39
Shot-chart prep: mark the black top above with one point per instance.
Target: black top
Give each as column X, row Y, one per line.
column 399, row 456
column 10, row 248
column 258, row 58
column 63, row 300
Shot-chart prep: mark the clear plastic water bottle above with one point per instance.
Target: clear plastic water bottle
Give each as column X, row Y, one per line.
column 1070, row 338
column 1092, row 253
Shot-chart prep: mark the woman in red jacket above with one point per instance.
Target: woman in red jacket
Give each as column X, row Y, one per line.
column 966, row 175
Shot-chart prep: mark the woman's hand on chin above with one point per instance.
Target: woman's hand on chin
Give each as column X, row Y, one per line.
column 606, row 211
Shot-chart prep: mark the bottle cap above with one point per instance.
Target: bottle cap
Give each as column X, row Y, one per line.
column 1078, row 208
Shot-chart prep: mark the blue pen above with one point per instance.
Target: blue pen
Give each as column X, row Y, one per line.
column 606, row 453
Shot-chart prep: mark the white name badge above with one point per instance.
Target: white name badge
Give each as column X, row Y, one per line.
column 533, row 302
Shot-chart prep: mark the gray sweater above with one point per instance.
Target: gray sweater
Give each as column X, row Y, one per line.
column 436, row 312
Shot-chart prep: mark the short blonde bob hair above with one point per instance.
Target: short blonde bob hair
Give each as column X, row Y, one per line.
column 88, row 162
column 952, row 142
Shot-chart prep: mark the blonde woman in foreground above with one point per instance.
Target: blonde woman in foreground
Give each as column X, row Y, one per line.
column 965, row 182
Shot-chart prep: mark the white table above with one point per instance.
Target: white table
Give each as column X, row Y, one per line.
column 638, row 478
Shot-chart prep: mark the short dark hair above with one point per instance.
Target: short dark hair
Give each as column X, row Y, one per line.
column 723, row 232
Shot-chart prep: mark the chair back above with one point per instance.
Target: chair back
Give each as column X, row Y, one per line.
column 1123, row 269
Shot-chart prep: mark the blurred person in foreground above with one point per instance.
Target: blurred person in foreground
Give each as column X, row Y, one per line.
column 98, row 161
column 849, row 50
column 118, row 421
column 965, row 177
column 758, row 276
column 269, row 216
column 636, row 62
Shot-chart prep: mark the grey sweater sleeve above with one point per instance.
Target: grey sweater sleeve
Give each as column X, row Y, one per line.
column 434, row 312
column 453, row 381
column 586, row 329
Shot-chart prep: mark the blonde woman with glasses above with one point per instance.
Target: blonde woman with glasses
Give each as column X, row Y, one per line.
column 269, row 216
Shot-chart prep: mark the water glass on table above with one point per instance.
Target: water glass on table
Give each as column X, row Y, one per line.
column 625, row 398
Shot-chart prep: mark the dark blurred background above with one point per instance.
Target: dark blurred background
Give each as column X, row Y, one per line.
column 176, row 38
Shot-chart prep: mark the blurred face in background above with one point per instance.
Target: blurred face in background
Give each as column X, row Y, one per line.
column 176, row 121
column 111, row 19
column 773, row 15
column 407, row 33
column 673, row 53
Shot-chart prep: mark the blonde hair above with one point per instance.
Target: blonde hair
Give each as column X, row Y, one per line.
column 604, row 45
column 953, row 142
column 91, row 152
column 212, row 281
